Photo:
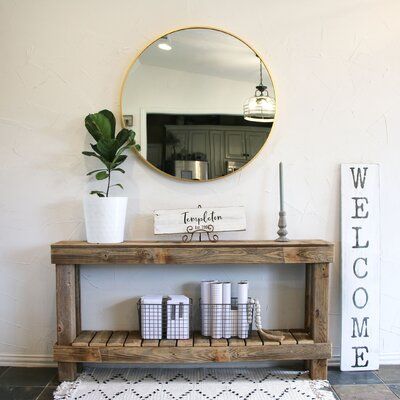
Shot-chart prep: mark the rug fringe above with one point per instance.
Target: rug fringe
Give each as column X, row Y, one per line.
column 65, row 389
column 318, row 386
column 321, row 384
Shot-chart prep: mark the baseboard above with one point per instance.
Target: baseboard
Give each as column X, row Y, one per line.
column 384, row 359
column 27, row 360
column 45, row 360
column 334, row 361
column 389, row 358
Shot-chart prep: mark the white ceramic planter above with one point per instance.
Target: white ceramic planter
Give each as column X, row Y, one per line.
column 105, row 219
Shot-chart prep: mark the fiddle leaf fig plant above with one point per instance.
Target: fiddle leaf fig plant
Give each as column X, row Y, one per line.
column 108, row 147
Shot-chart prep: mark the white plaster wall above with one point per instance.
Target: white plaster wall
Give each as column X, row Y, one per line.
column 336, row 67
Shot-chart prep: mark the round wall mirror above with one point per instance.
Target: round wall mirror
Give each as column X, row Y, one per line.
column 201, row 102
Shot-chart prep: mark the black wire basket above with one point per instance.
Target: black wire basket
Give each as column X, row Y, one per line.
column 165, row 321
column 226, row 320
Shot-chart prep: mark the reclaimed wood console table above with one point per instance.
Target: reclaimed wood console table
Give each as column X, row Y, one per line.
column 75, row 346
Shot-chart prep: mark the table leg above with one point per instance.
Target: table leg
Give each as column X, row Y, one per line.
column 66, row 315
column 78, row 306
column 307, row 305
column 78, row 299
column 319, row 315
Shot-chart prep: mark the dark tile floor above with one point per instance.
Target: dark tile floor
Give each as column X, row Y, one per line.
column 39, row 383
column 369, row 385
column 18, row 383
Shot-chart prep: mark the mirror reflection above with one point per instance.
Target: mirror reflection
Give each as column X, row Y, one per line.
column 201, row 102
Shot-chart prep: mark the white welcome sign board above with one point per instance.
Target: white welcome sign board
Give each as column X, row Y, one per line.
column 178, row 221
column 360, row 266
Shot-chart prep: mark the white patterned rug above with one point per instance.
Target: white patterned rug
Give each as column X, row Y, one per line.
column 193, row 384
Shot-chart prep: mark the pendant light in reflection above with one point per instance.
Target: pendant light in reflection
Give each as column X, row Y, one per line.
column 260, row 107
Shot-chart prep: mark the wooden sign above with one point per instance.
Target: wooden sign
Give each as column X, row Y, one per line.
column 220, row 218
column 360, row 267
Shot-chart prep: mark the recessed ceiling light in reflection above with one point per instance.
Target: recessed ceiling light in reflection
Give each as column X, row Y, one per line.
column 164, row 44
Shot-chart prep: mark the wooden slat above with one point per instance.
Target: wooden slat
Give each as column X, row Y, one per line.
column 236, row 342
column 117, row 338
column 240, row 252
column 100, row 339
column 138, row 355
column 254, row 339
column 185, row 342
column 168, row 343
column 200, row 341
column 150, row 343
column 219, row 343
column 302, row 337
column 270, row 342
column 289, row 339
column 84, row 338
column 133, row 339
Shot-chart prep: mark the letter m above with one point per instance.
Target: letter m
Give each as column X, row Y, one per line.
column 356, row 327
column 357, row 178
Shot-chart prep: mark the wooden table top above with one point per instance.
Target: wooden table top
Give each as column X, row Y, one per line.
column 168, row 252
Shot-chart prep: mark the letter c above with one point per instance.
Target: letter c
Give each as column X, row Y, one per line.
column 355, row 267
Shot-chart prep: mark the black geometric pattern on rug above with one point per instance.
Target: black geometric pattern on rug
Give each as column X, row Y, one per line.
column 196, row 384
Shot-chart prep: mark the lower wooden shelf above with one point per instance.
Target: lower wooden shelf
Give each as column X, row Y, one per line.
column 128, row 347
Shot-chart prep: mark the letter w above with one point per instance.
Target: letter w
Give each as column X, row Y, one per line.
column 358, row 179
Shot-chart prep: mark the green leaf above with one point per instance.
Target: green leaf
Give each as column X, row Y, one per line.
column 125, row 135
column 137, row 147
column 119, row 170
column 102, row 159
column 92, row 128
column 99, row 126
column 98, row 192
column 96, row 170
column 102, row 175
column 89, row 154
column 94, row 147
column 120, row 151
column 119, row 160
column 110, row 116
column 117, row 184
column 108, row 148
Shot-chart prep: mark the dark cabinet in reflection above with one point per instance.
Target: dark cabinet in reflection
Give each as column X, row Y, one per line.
column 214, row 144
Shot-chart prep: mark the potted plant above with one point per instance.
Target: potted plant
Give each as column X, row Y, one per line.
column 105, row 215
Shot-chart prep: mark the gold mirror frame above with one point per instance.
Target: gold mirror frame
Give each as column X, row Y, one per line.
column 137, row 153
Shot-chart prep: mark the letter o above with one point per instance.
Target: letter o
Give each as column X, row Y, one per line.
column 366, row 297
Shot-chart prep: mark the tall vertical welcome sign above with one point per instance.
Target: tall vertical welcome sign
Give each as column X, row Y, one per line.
column 360, row 267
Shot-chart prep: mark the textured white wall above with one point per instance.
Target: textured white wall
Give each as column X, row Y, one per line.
column 336, row 67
